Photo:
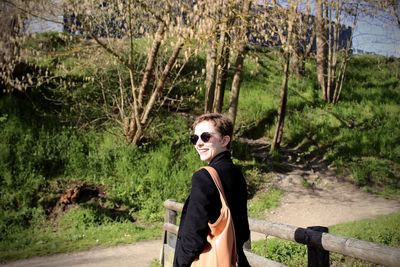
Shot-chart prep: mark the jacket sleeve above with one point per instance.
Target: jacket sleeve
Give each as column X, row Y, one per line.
column 192, row 235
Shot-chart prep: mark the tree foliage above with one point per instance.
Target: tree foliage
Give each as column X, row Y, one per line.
column 15, row 16
column 115, row 25
column 167, row 33
column 333, row 47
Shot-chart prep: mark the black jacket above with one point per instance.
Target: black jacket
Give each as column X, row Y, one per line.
column 204, row 205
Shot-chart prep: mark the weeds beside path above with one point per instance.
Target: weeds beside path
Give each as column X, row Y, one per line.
column 140, row 254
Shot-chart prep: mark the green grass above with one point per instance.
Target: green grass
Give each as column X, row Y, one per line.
column 48, row 240
column 285, row 252
column 258, row 95
column 155, row 263
column 264, row 202
column 361, row 133
column 382, row 229
column 56, row 134
column 39, row 163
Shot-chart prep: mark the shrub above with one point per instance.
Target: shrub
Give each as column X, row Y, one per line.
column 286, row 252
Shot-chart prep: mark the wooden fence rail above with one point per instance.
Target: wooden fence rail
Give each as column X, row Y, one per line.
column 319, row 242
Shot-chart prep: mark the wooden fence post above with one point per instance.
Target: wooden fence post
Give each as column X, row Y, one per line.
column 170, row 217
column 247, row 245
column 317, row 257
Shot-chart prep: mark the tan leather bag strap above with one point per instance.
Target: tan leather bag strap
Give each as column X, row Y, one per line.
column 217, row 181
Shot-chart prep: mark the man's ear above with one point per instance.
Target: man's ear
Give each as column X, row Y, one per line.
column 225, row 140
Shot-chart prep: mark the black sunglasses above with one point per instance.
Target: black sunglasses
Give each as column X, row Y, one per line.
column 205, row 137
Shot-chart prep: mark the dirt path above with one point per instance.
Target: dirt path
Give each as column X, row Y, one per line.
column 140, row 254
column 322, row 199
column 312, row 199
column 313, row 194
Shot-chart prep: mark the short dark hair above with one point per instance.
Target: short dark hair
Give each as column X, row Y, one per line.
column 222, row 123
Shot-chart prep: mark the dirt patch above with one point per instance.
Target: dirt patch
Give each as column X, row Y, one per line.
column 93, row 196
column 314, row 195
column 321, row 198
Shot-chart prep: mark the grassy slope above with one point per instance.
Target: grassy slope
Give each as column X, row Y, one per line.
column 140, row 179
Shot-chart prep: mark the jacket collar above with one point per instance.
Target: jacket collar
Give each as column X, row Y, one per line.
column 223, row 155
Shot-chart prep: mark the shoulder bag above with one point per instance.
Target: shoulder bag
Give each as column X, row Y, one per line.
column 220, row 251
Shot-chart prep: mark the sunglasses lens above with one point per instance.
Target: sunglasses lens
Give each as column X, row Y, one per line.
column 205, row 137
column 194, row 138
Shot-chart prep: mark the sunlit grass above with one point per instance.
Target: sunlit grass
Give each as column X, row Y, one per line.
column 49, row 240
column 382, row 229
column 264, row 202
column 360, row 134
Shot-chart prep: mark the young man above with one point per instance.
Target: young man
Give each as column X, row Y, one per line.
column 212, row 138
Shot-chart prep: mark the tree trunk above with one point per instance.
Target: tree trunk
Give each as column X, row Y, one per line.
column 309, row 27
column 211, row 71
column 282, row 107
column 297, row 64
column 304, row 40
column 288, row 50
column 236, row 82
column 241, row 54
column 331, row 53
column 222, row 71
column 137, row 122
column 343, row 64
column 321, row 46
column 151, row 61
column 160, row 83
column 132, row 124
column 335, row 54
